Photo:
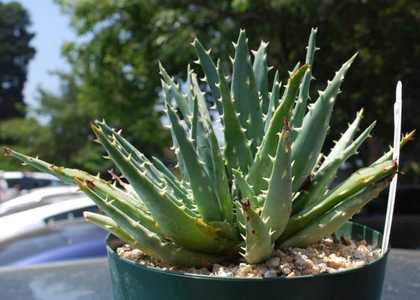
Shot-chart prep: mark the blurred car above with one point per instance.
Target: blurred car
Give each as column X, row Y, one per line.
column 38, row 197
column 58, row 241
column 14, row 183
column 27, row 221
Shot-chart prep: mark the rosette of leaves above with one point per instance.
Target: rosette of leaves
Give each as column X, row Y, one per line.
column 258, row 182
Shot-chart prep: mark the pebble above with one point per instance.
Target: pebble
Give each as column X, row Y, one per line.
column 286, row 268
column 273, row 262
column 270, row 274
column 336, row 262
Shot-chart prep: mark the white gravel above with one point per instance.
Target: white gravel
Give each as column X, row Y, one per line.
column 326, row 256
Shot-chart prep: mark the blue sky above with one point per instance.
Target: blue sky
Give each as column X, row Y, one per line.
column 51, row 29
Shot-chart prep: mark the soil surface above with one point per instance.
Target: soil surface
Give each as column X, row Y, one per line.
column 327, row 256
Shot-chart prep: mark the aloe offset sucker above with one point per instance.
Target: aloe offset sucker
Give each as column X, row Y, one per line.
column 263, row 183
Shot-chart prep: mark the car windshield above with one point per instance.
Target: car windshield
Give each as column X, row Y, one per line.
column 44, row 201
column 27, row 183
column 13, row 183
column 56, row 235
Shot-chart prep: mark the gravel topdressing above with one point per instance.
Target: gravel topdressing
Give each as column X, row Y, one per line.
column 327, row 256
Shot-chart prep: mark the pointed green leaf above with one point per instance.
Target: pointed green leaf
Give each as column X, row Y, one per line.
column 202, row 142
column 258, row 243
column 179, row 191
column 260, row 68
column 240, row 218
column 145, row 165
column 182, row 228
column 295, row 68
column 262, row 165
column 388, row 155
column 300, row 107
column 172, row 90
column 212, row 157
column 278, row 203
column 200, row 182
column 189, row 88
column 175, row 145
column 181, row 165
column 42, row 166
column 209, row 69
column 151, row 244
column 194, row 124
column 133, row 206
column 274, row 100
column 352, row 185
column 245, row 94
column 237, row 151
column 333, row 219
column 105, row 198
column 245, row 189
column 309, row 142
column 345, row 140
column 326, row 175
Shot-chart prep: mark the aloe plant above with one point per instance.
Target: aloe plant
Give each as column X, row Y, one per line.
column 265, row 183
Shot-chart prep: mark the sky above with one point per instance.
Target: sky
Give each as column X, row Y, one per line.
column 51, row 29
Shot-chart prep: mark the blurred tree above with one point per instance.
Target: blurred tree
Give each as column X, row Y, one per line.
column 115, row 60
column 15, row 54
column 60, row 133
column 115, row 64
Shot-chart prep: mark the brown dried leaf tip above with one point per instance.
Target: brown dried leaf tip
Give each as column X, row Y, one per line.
column 7, row 151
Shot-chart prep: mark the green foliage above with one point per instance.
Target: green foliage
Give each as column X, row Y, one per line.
column 119, row 44
column 220, row 207
column 15, row 54
column 60, row 135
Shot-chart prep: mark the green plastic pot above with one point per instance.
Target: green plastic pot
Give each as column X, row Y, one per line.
column 133, row 281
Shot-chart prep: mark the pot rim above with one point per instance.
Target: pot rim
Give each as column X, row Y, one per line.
column 111, row 253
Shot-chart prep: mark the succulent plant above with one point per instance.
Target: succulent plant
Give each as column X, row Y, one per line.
column 265, row 183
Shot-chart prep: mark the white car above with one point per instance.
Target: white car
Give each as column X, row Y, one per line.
column 27, row 221
column 38, row 197
column 14, row 183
